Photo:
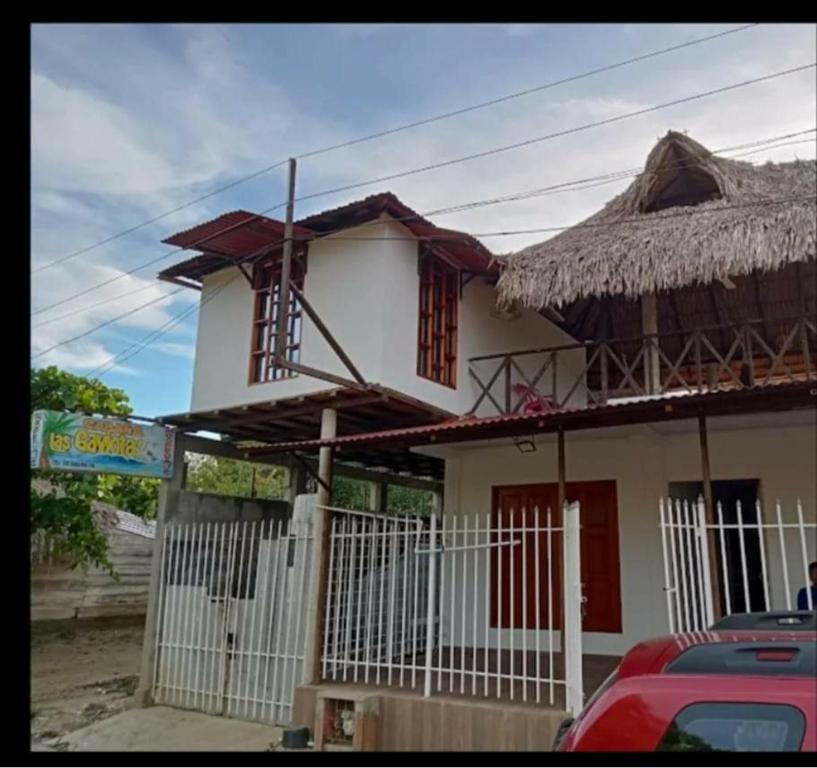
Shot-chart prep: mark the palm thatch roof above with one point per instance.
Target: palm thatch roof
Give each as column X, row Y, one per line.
column 689, row 218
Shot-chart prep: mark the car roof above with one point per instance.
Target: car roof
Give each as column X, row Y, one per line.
column 652, row 656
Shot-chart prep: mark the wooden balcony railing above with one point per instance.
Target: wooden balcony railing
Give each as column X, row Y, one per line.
column 734, row 356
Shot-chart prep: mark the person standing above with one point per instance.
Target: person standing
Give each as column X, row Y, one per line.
column 802, row 595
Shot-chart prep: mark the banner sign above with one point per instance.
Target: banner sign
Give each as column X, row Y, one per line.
column 72, row 442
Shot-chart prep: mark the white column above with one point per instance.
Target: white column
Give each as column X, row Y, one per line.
column 168, row 498
column 572, row 629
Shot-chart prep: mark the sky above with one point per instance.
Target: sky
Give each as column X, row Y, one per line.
column 129, row 121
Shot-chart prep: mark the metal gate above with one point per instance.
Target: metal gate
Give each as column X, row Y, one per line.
column 771, row 583
column 410, row 603
column 232, row 617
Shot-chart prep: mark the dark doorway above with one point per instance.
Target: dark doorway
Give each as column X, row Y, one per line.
column 728, row 493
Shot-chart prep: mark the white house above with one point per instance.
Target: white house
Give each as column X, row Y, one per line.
column 666, row 348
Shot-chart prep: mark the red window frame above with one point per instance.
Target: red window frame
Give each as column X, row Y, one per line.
column 266, row 284
column 437, row 332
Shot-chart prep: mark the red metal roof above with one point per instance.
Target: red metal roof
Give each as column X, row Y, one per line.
column 488, row 427
column 462, row 247
column 234, row 236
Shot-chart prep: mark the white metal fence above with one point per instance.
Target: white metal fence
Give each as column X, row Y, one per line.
column 760, row 565
column 231, row 615
column 464, row 609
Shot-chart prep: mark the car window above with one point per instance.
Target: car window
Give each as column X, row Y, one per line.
column 728, row 727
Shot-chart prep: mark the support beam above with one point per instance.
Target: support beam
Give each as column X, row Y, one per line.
column 649, row 328
column 168, row 499
column 315, row 373
column 709, row 509
column 320, row 560
column 327, row 334
column 378, row 497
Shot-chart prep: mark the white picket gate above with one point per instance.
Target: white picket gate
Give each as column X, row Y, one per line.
column 231, row 619
column 782, row 568
column 451, row 609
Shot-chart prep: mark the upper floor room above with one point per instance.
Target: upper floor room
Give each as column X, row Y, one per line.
column 408, row 303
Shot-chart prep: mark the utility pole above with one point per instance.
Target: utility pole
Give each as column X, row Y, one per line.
column 282, row 318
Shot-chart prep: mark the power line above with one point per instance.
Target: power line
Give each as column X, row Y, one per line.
column 149, row 286
column 587, row 183
column 558, row 134
column 601, row 225
column 107, row 322
column 486, row 153
column 390, row 131
column 153, row 336
column 162, row 257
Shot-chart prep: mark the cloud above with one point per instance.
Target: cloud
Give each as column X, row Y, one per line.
column 198, row 112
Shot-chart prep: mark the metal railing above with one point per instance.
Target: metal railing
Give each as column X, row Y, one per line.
column 760, row 564
column 731, row 356
column 466, row 608
column 233, row 598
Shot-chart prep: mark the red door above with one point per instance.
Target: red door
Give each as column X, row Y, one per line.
column 514, row 507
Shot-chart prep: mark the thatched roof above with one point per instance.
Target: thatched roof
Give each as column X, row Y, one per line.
column 646, row 240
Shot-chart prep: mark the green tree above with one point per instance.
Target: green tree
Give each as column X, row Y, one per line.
column 230, row 477
column 62, row 507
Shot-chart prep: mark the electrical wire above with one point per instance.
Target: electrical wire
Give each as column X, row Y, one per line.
column 390, row 131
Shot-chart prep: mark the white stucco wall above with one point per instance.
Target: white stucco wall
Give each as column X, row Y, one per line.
column 367, row 293
column 643, row 461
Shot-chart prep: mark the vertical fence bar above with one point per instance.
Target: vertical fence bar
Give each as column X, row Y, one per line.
column 262, row 597
column 551, row 673
column 184, row 615
column 404, row 591
column 201, row 572
column 699, row 532
column 246, row 648
column 475, row 610
column 782, row 538
column 463, row 599
column 292, row 595
column 237, row 655
column 747, row 605
column 370, row 597
column 512, row 600
column 691, row 566
column 431, row 595
column 452, row 578
column 350, row 591
column 674, row 554
column 487, row 598
column 222, row 668
column 667, row 588
column 215, row 657
column 195, row 656
column 802, row 530
column 341, row 531
column 175, row 611
column 331, row 590
column 360, row 595
column 281, row 598
column 761, row 540
column 499, row 623
column 727, row 586
column 415, row 563
column 271, row 585
column 705, row 560
column 572, row 641
column 392, row 604
column 442, row 602
column 684, row 558
column 382, row 571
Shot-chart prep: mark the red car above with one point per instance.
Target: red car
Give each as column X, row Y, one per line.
column 721, row 689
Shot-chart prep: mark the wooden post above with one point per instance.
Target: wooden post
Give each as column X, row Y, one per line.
column 378, row 498
column 286, row 268
column 649, row 329
column 709, row 508
column 168, row 498
column 320, row 553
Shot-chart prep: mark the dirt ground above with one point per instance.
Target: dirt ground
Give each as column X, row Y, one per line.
column 81, row 671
